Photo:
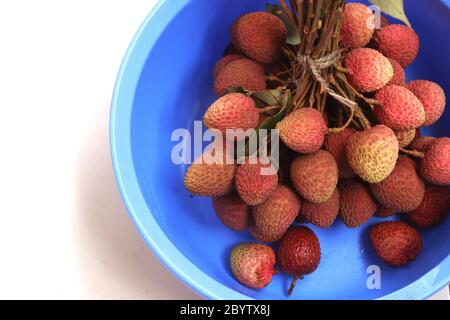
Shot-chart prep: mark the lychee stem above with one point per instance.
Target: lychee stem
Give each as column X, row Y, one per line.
column 269, row 108
column 413, row 153
column 293, row 283
column 287, row 10
column 274, row 78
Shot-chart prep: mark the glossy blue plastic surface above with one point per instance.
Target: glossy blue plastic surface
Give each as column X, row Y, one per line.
column 165, row 83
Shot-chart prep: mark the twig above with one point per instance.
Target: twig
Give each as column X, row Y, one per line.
column 413, row 153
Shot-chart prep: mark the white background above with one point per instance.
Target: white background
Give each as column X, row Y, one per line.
column 64, row 232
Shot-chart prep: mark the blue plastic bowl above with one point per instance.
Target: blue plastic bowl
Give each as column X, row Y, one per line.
column 165, row 83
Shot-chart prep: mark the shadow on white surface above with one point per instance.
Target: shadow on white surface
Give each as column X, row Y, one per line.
column 115, row 263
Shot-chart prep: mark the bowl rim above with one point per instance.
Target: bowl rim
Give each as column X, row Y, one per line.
column 139, row 210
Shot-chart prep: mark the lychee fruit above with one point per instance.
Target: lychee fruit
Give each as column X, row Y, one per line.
column 435, row 166
column 368, row 70
column 373, row 153
column 383, row 212
column 315, row 176
column 396, row 243
column 358, row 25
column 433, row 209
column 422, row 143
column 260, row 35
column 432, row 97
column 243, row 73
column 253, row 264
column 275, row 215
column 399, row 77
column 303, row 130
column 398, row 42
column 336, row 143
column 403, row 190
column 224, row 61
column 405, row 137
column 357, row 205
column 232, row 111
column 400, row 109
column 253, row 184
column 232, row 212
column 322, row 215
column 299, row 253
column 211, row 176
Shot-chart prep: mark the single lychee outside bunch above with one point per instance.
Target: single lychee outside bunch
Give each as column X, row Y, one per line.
column 396, row 243
column 253, row 264
column 299, row 253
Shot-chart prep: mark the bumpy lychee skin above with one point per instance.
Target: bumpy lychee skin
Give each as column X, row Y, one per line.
column 403, row 190
column 357, row 205
column 399, row 77
column 210, row 177
column 299, row 253
column 398, row 42
column 400, row 109
column 315, row 176
column 260, row 35
column 368, row 70
column 232, row 212
column 383, row 212
column 405, row 137
column 303, row 130
column 253, row 185
column 243, row 73
column 372, row 153
column 422, row 143
column 434, row 208
column 253, row 264
column 396, row 243
column 336, row 143
column 274, row 216
column 435, row 166
column 322, row 215
column 232, row 111
column 358, row 25
column 224, row 61
column 432, row 97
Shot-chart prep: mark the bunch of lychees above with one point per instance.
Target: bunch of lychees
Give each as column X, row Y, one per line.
column 350, row 132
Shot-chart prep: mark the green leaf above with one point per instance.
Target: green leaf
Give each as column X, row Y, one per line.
column 272, row 121
column 238, row 90
column 269, row 97
column 394, row 8
column 286, row 99
column 293, row 32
